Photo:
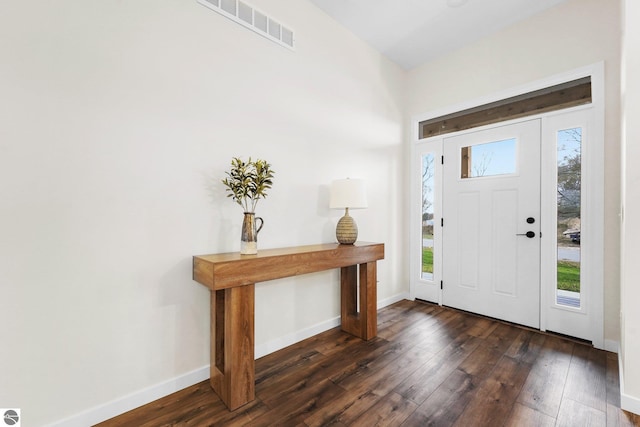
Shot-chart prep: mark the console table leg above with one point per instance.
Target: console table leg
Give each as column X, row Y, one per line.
column 232, row 345
column 368, row 301
column 361, row 320
column 349, row 300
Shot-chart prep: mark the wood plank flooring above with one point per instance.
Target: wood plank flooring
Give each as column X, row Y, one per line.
column 428, row 366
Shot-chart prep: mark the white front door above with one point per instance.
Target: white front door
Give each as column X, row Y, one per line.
column 491, row 222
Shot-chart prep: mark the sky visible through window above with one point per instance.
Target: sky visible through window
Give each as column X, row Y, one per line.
column 493, row 158
column 569, row 144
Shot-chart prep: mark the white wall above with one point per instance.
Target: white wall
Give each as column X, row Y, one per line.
column 117, row 120
column 630, row 290
column 572, row 35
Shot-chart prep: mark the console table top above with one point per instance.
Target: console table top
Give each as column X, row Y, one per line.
column 226, row 270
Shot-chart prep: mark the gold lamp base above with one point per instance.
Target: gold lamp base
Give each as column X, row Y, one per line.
column 346, row 230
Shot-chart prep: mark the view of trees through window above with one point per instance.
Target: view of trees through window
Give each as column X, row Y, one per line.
column 428, row 169
column 488, row 159
column 569, row 149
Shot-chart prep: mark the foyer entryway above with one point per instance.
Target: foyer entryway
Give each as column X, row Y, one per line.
column 510, row 222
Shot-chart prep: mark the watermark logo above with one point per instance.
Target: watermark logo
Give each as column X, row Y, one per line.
column 11, row 417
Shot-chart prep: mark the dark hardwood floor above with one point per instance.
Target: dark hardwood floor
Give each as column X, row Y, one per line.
column 429, row 366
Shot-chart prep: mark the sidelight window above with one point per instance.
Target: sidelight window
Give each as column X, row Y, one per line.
column 569, row 159
column 428, row 173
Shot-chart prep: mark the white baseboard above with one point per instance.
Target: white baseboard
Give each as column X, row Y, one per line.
column 612, row 346
column 134, row 400
column 627, row 402
column 287, row 340
column 630, row 403
column 282, row 342
column 392, row 300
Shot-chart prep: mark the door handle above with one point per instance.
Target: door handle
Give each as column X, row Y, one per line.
column 529, row 234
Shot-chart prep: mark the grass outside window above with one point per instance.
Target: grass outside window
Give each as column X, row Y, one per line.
column 427, row 259
column 569, row 276
column 568, row 271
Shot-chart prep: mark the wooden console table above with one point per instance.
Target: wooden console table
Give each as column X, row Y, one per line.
column 231, row 277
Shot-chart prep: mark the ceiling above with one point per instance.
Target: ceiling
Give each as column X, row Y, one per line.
column 412, row 32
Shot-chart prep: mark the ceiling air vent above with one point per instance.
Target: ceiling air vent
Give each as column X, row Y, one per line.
column 247, row 16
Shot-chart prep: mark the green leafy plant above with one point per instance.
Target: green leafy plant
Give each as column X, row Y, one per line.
column 248, row 182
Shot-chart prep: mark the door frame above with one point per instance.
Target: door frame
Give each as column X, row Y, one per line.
column 593, row 187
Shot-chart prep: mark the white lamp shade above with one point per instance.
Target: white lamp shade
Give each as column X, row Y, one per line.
column 348, row 193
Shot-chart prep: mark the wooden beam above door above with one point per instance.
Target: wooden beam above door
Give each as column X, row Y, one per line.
column 565, row 95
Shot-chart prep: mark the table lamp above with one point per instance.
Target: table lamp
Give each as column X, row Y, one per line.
column 347, row 194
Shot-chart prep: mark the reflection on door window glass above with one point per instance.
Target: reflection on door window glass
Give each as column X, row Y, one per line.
column 569, row 148
column 428, row 169
column 489, row 159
